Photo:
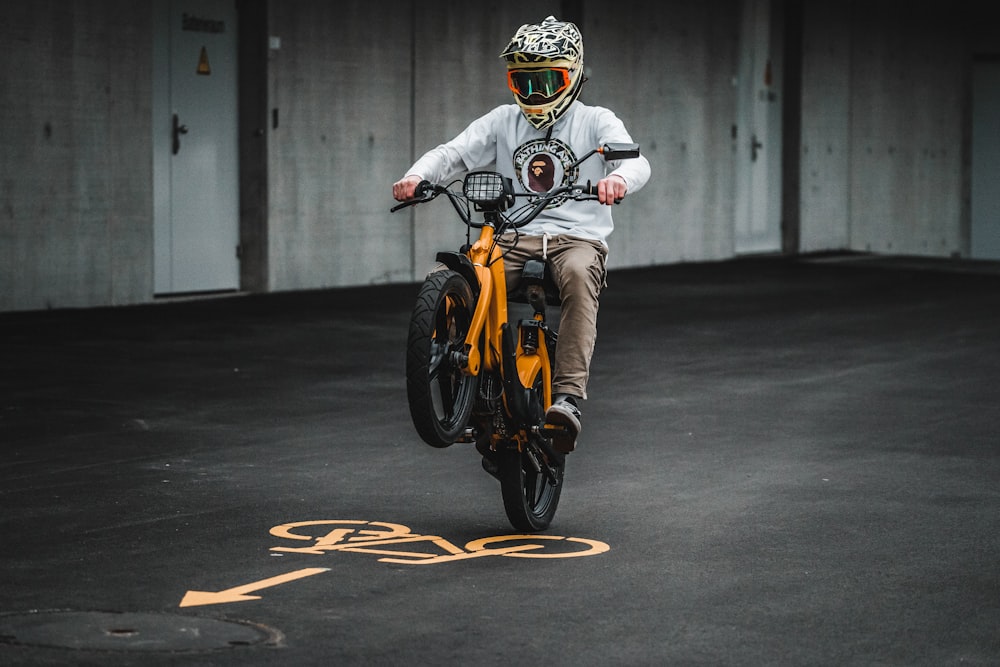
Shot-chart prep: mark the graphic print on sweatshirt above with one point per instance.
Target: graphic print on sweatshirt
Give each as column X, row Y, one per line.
column 541, row 165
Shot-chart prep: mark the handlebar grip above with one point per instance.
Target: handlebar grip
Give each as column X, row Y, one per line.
column 592, row 191
column 422, row 188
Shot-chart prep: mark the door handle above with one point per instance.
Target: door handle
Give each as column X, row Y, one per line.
column 755, row 146
column 178, row 131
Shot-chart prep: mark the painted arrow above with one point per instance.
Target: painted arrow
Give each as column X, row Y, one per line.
column 239, row 593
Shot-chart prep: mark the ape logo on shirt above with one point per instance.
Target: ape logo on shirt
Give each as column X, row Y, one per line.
column 541, row 173
column 542, row 165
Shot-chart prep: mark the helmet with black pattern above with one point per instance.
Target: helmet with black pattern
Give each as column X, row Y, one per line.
column 545, row 69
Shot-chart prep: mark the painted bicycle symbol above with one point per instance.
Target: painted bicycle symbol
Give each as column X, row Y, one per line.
column 396, row 543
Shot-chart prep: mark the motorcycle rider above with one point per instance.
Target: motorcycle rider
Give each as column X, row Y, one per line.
column 534, row 142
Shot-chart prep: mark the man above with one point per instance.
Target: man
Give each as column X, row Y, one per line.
column 535, row 142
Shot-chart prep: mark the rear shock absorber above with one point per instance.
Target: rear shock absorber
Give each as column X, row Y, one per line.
column 529, row 336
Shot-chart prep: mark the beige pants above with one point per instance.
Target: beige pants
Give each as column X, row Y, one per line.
column 578, row 268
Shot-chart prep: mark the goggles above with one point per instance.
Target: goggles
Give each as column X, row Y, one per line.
column 546, row 83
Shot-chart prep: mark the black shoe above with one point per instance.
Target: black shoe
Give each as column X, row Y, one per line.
column 564, row 418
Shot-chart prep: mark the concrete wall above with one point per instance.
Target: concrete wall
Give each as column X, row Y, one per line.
column 826, row 120
column 76, row 166
column 340, row 82
column 884, row 154
column 907, row 90
column 669, row 75
column 362, row 87
column 348, row 105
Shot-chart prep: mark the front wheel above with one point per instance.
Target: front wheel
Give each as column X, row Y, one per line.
column 440, row 393
column 530, row 481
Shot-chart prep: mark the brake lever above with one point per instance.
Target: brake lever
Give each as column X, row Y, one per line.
column 423, row 193
column 412, row 202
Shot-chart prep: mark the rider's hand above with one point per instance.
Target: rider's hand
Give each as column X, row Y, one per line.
column 403, row 190
column 611, row 188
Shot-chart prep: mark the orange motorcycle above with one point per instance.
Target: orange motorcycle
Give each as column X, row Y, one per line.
column 471, row 376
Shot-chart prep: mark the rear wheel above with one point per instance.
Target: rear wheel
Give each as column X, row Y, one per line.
column 530, row 481
column 440, row 394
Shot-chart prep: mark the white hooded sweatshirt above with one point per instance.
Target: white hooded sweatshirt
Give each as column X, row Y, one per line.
column 503, row 140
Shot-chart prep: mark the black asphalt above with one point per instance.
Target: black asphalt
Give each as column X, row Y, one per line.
column 791, row 462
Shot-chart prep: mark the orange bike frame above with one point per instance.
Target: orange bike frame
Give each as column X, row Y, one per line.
column 484, row 342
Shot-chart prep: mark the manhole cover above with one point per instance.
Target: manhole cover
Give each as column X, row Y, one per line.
column 130, row 631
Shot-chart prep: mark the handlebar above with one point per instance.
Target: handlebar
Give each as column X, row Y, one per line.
column 427, row 191
column 494, row 208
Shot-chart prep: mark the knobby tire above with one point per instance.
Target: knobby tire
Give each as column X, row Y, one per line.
column 529, row 499
column 439, row 393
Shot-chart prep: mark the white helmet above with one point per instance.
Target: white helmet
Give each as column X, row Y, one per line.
column 545, row 69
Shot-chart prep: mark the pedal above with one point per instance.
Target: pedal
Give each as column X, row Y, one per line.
column 562, row 440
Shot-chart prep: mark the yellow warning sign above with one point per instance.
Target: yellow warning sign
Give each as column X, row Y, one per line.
column 203, row 66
